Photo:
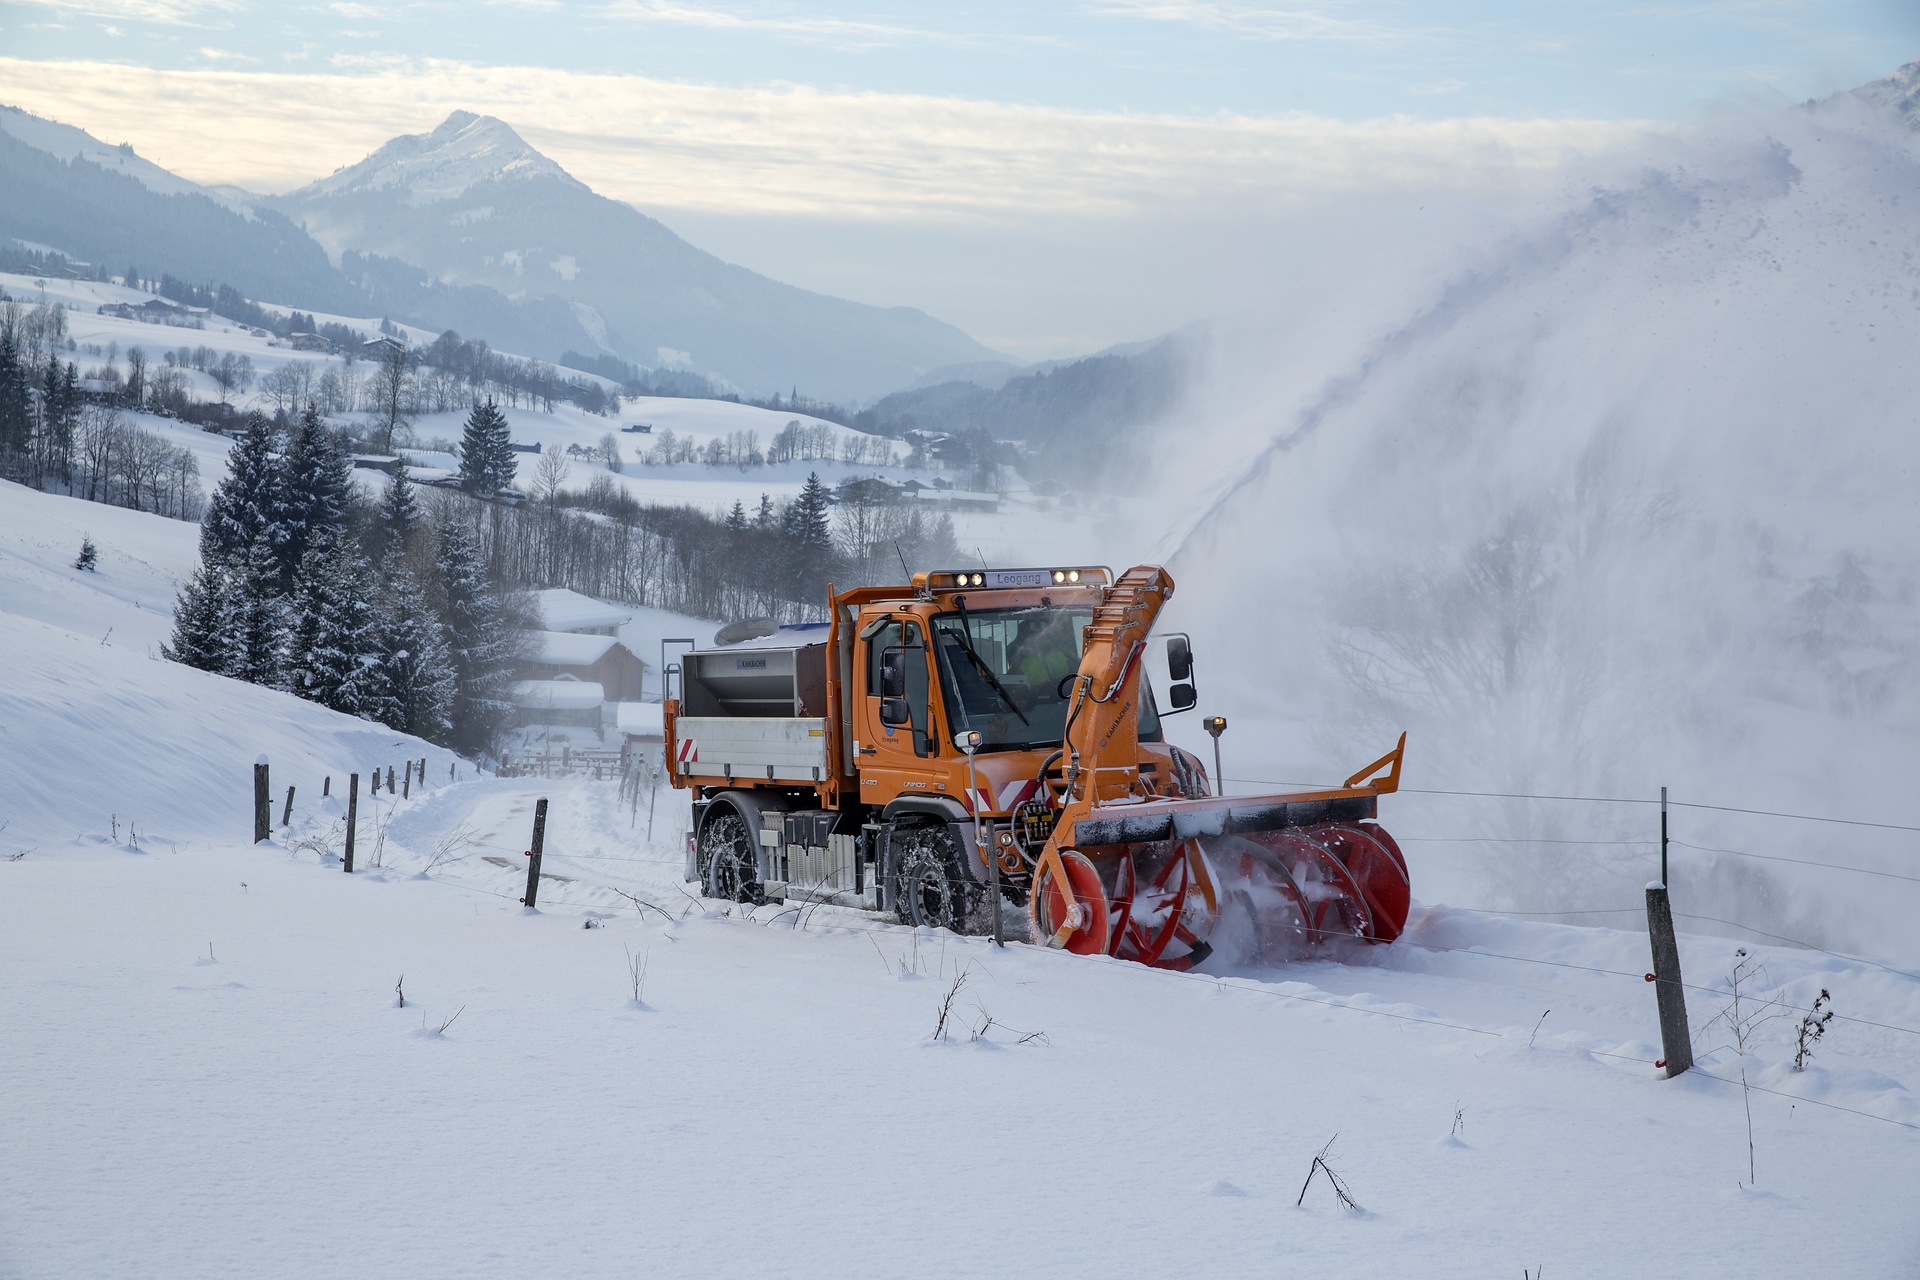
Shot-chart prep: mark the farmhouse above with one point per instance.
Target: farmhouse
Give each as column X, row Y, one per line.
column 577, row 664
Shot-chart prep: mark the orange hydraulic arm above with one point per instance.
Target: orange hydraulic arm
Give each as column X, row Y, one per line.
column 1102, row 742
column 1104, row 723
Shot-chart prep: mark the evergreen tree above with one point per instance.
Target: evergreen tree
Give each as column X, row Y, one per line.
column 16, row 404
column 396, row 520
column 417, row 684
column 89, row 557
column 737, row 518
column 259, row 617
column 334, row 655
column 246, row 506
column 763, row 518
column 203, row 621
column 480, row 643
column 487, row 461
column 808, row 550
column 315, row 498
column 808, row 521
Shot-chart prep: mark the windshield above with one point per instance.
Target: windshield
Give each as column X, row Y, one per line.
column 1002, row 670
column 1018, row 660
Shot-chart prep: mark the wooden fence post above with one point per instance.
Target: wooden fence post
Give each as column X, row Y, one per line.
column 533, row 854
column 286, row 815
column 389, row 779
column 326, row 786
column 406, row 783
column 1674, row 1036
column 353, row 814
column 262, row 802
column 423, row 773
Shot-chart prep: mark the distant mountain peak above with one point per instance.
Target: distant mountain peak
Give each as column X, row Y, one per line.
column 463, row 151
column 1901, row 91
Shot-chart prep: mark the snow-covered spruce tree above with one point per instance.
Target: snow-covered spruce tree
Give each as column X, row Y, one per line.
column 417, row 684
column 203, row 621
column 315, row 497
column 487, row 462
column 481, row 641
column 89, row 557
column 335, row 653
column 395, row 521
column 248, row 503
column 258, row 617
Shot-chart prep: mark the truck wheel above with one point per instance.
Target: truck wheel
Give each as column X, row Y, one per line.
column 932, row 886
column 728, row 867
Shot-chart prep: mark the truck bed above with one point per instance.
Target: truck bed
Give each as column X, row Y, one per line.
column 752, row 748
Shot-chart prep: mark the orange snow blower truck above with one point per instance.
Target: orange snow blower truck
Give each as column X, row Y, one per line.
column 986, row 739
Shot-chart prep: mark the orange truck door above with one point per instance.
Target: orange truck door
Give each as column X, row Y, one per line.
column 892, row 758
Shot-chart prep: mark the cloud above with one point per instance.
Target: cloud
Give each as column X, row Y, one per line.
column 179, row 13
column 1256, row 21
column 840, row 32
column 792, row 150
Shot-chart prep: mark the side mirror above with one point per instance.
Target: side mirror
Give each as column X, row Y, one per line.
column 894, row 712
column 1182, row 697
column 893, row 676
column 1179, row 659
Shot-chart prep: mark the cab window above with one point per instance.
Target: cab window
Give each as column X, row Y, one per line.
column 903, row 636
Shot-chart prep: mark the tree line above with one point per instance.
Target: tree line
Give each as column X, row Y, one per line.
column 55, row 437
column 773, row 561
column 382, row 610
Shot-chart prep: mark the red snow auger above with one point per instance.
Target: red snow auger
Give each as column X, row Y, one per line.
column 1130, row 873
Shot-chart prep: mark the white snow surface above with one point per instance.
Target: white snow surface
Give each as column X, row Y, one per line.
column 207, row 1072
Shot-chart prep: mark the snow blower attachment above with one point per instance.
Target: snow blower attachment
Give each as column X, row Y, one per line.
column 1167, row 881
column 823, row 766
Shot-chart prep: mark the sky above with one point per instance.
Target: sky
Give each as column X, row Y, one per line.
column 1051, row 177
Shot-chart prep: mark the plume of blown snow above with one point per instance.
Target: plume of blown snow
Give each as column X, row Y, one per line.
column 1628, row 500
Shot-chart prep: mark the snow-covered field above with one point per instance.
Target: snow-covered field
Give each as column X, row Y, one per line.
column 207, row 1071
column 1023, row 530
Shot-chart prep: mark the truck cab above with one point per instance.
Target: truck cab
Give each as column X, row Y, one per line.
column 823, row 762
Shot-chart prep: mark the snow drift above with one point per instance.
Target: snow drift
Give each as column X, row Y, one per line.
column 102, row 736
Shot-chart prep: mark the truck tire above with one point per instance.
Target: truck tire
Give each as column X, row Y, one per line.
column 931, row 884
column 729, row 866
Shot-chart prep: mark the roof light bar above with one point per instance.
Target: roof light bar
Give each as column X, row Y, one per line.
column 991, row 579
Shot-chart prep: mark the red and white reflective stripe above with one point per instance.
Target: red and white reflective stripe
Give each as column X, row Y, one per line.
column 1011, row 794
column 689, row 753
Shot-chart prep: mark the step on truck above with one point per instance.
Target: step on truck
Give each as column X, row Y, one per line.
column 981, row 750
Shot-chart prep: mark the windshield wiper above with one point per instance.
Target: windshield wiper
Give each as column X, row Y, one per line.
column 966, row 643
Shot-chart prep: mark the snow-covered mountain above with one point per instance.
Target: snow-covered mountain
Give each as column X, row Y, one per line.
column 1900, row 91
column 65, row 142
column 472, row 204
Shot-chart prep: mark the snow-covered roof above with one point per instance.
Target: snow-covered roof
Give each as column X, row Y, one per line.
column 567, row 649
column 956, row 495
column 640, row 719
column 564, row 610
column 558, row 695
